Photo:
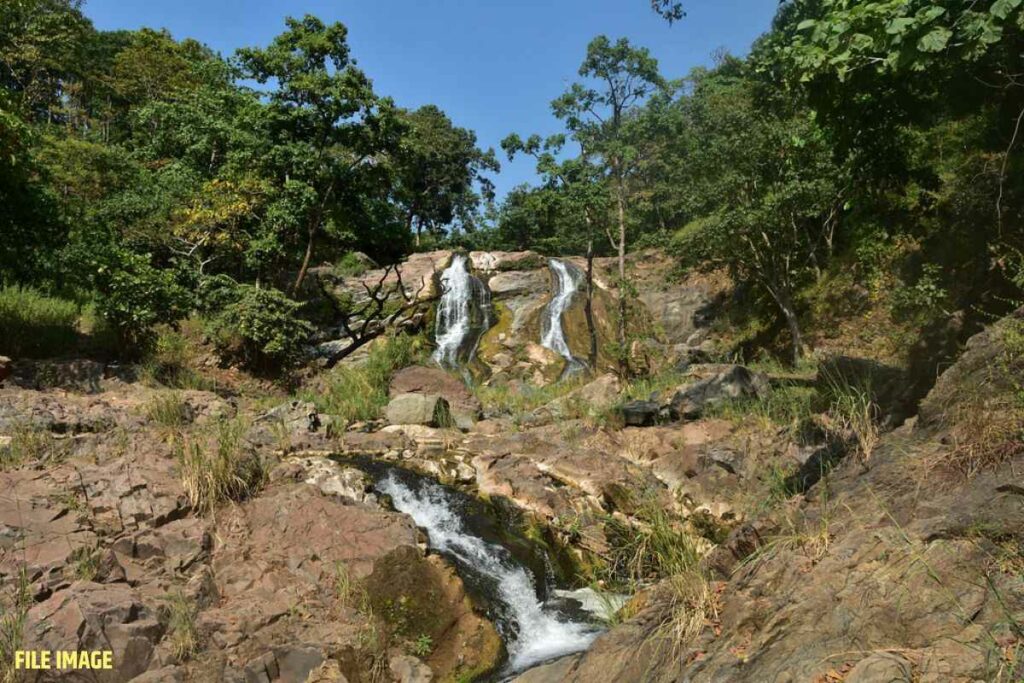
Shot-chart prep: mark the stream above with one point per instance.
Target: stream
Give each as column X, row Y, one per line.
column 536, row 621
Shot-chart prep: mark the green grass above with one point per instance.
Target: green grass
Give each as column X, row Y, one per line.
column 786, row 406
column 520, row 399
column 35, row 325
column 13, row 611
column 181, row 625
column 168, row 410
column 30, row 444
column 360, row 391
column 172, row 360
column 215, row 473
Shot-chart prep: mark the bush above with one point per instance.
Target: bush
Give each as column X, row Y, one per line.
column 172, row 359
column 34, row 325
column 259, row 328
column 134, row 296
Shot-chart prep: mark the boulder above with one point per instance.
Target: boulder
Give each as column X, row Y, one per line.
column 418, row 379
column 419, row 409
column 640, row 413
column 734, row 382
column 490, row 261
column 76, row 375
column 6, row 367
column 329, row 476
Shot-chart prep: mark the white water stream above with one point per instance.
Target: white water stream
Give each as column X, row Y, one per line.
column 568, row 280
column 537, row 632
column 461, row 293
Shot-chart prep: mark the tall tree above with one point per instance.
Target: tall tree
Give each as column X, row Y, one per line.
column 619, row 79
column 437, row 168
column 327, row 127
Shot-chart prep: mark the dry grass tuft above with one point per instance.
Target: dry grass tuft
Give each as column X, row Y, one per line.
column 227, row 471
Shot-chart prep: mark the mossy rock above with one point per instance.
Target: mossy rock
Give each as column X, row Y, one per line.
column 422, row 596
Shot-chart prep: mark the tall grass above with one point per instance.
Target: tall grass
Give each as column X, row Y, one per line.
column 227, row 471
column 12, row 627
column 519, row 400
column 360, row 392
column 35, row 325
column 181, row 625
column 172, row 360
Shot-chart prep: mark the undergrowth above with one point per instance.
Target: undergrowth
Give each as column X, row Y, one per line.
column 359, row 391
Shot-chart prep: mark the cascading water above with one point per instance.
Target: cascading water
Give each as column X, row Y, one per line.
column 567, row 279
column 533, row 631
column 463, row 314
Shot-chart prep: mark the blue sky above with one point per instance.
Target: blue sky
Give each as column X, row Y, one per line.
column 492, row 65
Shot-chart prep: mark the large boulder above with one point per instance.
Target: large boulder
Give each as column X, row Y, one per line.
column 735, row 382
column 490, row 261
column 419, row 409
column 418, row 379
column 640, row 413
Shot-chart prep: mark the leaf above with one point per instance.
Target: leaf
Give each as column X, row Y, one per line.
column 899, row 25
column 1003, row 8
column 935, row 40
column 806, row 24
column 930, row 14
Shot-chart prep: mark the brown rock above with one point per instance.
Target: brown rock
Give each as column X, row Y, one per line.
column 91, row 616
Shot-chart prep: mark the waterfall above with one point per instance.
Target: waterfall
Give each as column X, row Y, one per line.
column 533, row 631
column 463, row 314
column 567, row 278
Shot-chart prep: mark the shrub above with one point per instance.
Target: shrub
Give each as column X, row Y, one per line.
column 170, row 361
column 226, row 472
column 360, row 392
column 35, row 325
column 260, row 328
column 134, row 296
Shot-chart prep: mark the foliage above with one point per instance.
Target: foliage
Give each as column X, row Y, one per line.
column 359, row 390
column 133, row 296
column 134, row 165
column 12, row 625
column 181, row 624
column 260, row 328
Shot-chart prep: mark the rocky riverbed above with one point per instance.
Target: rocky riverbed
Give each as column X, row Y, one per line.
column 817, row 555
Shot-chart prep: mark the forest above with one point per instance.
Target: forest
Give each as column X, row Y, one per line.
column 146, row 178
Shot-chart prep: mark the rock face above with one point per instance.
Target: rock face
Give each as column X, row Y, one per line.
column 900, row 570
column 733, row 382
column 419, row 409
column 640, row 413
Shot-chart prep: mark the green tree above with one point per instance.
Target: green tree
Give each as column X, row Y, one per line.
column 327, row 129
column 763, row 190
column 598, row 115
column 436, row 168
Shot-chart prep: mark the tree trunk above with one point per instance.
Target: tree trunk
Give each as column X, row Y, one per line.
column 794, row 327
column 305, row 261
column 589, row 308
column 623, row 351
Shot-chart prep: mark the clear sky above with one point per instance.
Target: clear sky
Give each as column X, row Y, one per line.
column 492, row 65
